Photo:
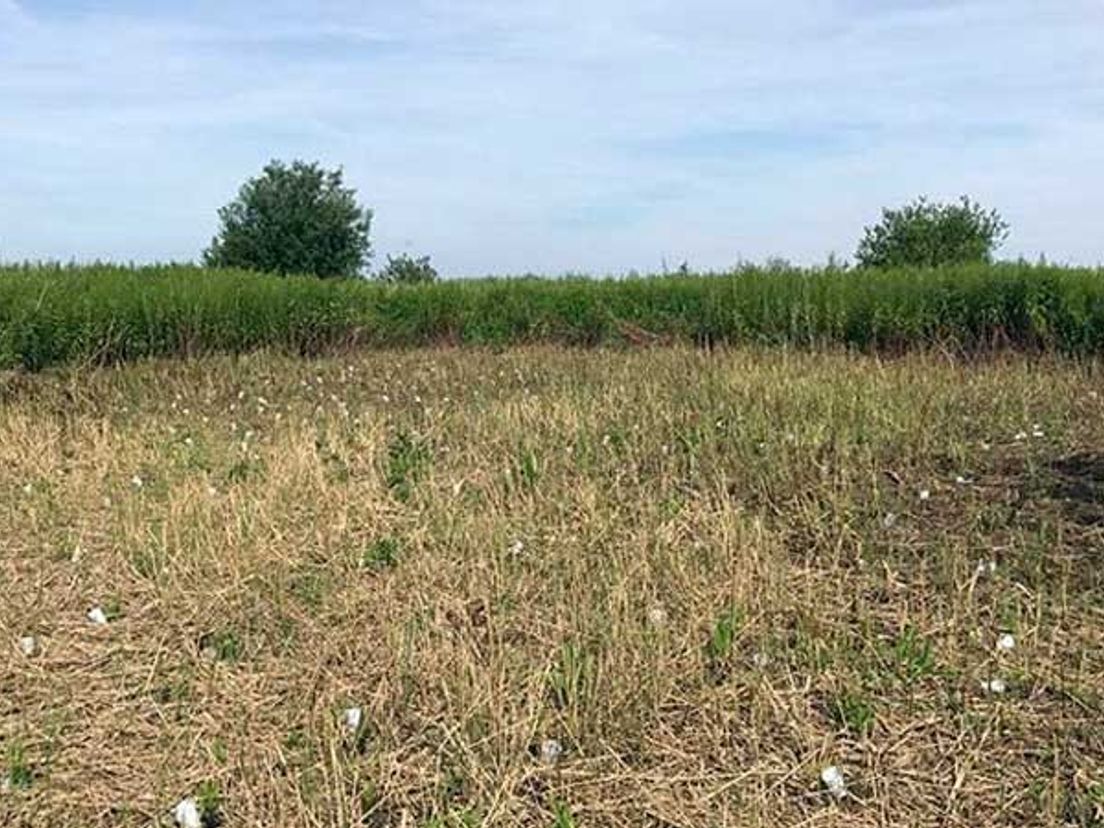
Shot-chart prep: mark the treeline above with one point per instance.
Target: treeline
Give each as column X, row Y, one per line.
column 107, row 314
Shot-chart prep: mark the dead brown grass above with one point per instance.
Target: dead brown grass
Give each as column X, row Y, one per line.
column 308, row 536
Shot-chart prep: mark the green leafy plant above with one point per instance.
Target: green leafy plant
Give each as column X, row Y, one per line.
column 19, row 773
column 223, row 645
column 209, row 803
column 722, row 638
column 913, row 656
column 382, row 553
column 854, row 713
column 563, row 817
column 568, row 680
column 407, row 459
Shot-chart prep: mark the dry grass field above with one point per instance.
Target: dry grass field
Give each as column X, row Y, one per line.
column 563, row 587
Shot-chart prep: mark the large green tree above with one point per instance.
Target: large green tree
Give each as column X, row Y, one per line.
column 929, row 234
column 294, row 219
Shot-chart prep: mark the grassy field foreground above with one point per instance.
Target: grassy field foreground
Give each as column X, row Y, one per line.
column 704, row 577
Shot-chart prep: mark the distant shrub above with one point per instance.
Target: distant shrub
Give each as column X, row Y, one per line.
column 927, row 234
column 297, row 219
column 404, row 270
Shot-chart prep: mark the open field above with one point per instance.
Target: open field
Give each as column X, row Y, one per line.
column 707, row 576
column 105, row 314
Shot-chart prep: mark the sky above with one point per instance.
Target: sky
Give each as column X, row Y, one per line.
column 596, row 136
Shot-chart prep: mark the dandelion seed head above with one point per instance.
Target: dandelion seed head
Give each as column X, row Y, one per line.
column 351, row 718
column 833, row 780
column 657, row 616
column 996, row 686
column 186, row 814
column 1006, row 643
column 28, row 645
column 551, row 751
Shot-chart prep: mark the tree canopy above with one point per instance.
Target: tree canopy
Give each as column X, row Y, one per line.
column 294, row 219
column 929, row 234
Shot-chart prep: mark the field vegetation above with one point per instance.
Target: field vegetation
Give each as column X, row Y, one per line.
column 552, row 586
column 103, row 315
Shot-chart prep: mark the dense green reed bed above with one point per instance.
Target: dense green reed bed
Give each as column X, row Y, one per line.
column 102, row 314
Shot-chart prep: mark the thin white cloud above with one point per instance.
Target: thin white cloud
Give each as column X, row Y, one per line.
column 602, row 135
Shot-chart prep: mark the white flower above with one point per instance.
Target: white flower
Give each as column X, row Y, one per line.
column 5, row 784
column 550, row 751
column 97, row 616
column 925, row 494
column 889, row 520
column 1037, row 432
column 517, row 547
column 1020, row 435
column 985, row 446
column 1006, row 643
column 28, row 489
column 136, row 482
column 986, row 568
column 760, row 660
column 834, row 782
column 212, row 491
column 351, row 718
column 186, row 814
column 657, row 616
column 189, row 442
column 996, row 686
column 962, row 481
column 28, row 645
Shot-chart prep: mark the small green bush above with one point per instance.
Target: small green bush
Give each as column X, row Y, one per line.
column 927, row 234
column 403, row 270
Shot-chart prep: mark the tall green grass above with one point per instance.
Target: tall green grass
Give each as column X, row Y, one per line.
column 104, row 314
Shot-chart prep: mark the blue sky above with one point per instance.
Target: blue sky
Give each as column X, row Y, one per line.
column 601, row 136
